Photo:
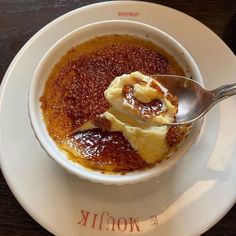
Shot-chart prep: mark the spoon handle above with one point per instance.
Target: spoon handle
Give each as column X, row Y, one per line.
column 223, row 92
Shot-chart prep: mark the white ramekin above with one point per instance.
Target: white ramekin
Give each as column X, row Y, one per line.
column 83, row 34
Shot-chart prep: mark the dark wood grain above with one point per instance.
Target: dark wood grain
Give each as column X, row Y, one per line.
column 19, row 20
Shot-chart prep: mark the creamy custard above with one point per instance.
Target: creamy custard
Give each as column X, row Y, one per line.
column 140, row 116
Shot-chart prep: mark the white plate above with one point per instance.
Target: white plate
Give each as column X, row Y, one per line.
column 187, row 200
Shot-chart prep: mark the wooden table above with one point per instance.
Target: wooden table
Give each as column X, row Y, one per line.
column 20, row 19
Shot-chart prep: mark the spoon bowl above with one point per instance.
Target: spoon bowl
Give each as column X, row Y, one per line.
column 194, row 101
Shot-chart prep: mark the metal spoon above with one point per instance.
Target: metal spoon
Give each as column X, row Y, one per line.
column 194, row 100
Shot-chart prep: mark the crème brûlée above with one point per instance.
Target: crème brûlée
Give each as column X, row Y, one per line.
column 104, row 111
column 140, row 109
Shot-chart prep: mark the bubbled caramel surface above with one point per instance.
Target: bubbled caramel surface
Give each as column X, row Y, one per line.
column 74, row 94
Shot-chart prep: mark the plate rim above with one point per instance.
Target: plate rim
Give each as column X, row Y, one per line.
column 24, row 48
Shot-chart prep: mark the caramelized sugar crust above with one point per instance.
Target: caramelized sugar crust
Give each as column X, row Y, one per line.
column 74, row 94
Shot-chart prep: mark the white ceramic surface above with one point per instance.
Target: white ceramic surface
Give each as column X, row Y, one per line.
column 187, row 200
column 83, row 34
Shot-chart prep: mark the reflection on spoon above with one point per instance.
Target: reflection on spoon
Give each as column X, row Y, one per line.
column 194, row 101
